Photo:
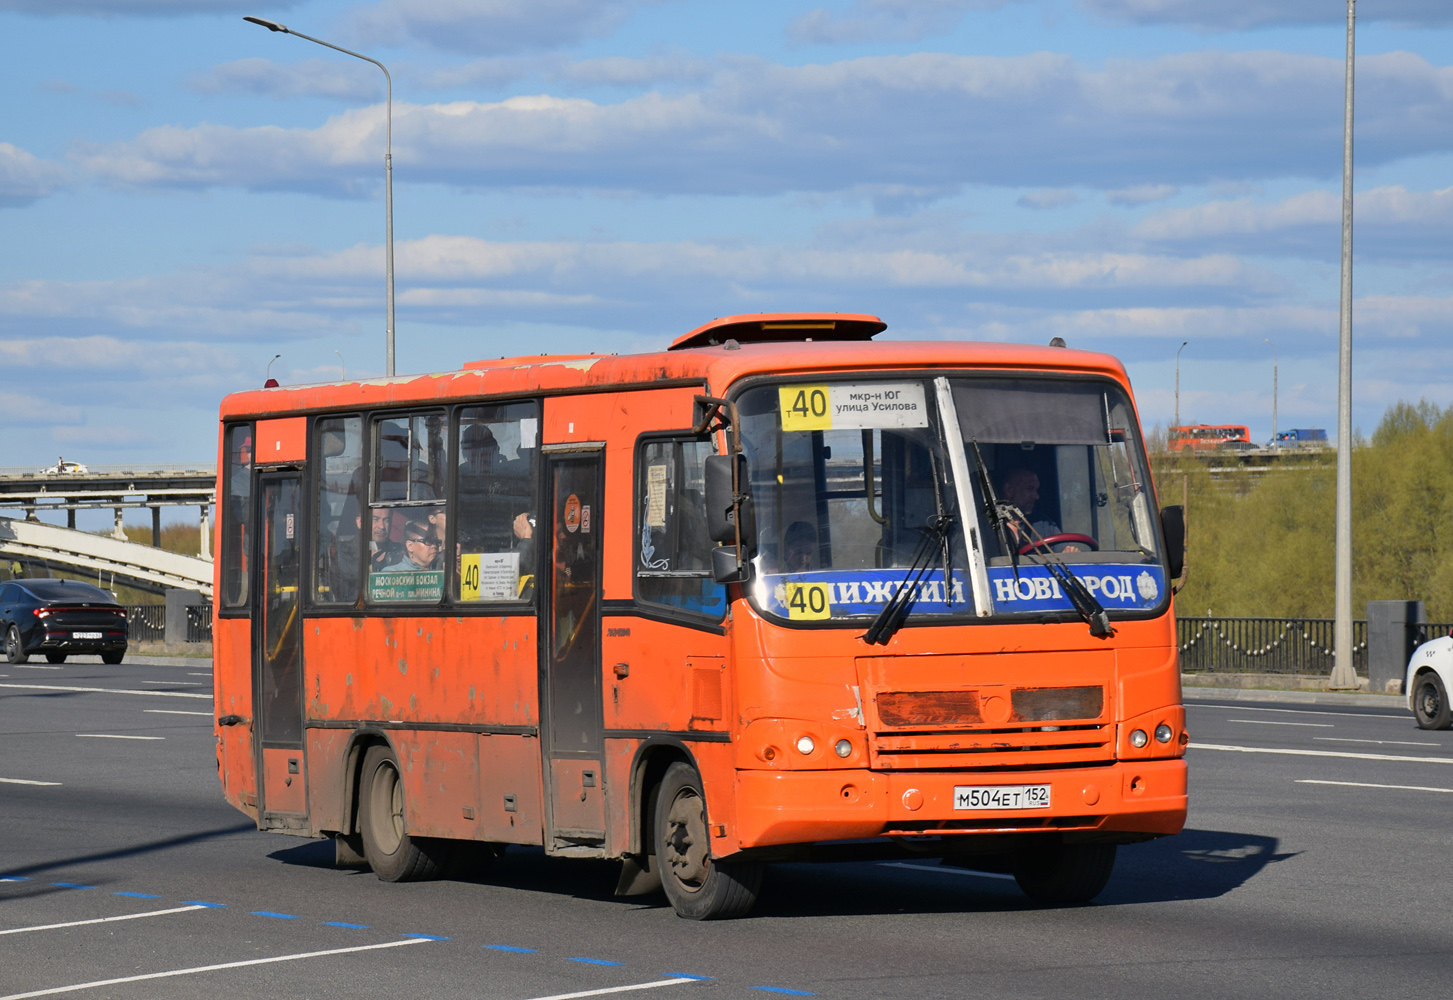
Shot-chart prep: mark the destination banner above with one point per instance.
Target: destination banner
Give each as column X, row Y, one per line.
column 820, row 595
column 411, row 585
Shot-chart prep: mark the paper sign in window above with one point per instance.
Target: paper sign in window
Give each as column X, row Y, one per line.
column 656, row 496
column 840, row 406
column 489, row 576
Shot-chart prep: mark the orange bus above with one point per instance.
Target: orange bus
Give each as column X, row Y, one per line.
column 1207, row 437
column 775, row 593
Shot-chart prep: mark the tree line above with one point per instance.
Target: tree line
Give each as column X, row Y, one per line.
column 1263, row 544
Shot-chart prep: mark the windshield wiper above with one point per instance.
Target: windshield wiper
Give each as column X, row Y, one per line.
column 896, row 610
column 1001, row 515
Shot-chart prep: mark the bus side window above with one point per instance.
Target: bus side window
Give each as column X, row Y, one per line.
column 494, row 533
column 673, row 552
column 408, row 518
column 237, row 516
column 338, row 529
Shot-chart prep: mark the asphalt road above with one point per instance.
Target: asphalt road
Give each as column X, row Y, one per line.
column 1315, row 861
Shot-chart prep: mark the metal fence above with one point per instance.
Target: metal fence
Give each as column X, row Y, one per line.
column 147, row 622
column 1275, row 645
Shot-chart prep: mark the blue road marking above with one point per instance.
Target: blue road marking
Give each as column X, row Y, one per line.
column 782, row 989
column 13, row 878
column 275, row 916
column 595, row 961
column 339, row 923
column 686, row 975
column 210, row 906
column 512, row 949
column 137, row 895
column 425, row 937
column 71, row 885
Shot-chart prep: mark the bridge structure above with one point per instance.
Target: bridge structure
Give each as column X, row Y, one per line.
column 27, row 492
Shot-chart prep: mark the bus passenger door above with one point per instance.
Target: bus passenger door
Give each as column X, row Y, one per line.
column 570, row 655
column 277, row 657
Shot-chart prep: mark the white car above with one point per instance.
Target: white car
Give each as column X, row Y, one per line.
column 1430, row 677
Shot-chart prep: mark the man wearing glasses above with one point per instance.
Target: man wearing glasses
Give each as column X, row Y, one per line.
column 421, row 549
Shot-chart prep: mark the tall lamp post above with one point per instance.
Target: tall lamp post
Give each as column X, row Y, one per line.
column 1343, row 676
column 1273, row 389
column 1178, row 380
column 388, row 170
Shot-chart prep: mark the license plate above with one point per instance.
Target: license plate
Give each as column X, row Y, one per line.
column 1001, row 796
column 86, row 635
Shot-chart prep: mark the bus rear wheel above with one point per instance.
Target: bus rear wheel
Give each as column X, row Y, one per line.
column 697, row 886
column 393, row 855
column 1062, row 874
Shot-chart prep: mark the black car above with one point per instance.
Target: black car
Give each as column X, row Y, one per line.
column 60, row 617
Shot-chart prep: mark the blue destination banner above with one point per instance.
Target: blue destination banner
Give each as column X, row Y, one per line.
column 823, row 594
column 1117, row 586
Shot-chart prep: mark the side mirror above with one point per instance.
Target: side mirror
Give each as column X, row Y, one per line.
column 1173, row 523
column 721, row 511
column 726, row 568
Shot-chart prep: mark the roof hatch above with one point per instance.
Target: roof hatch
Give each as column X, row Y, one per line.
column 762, row 328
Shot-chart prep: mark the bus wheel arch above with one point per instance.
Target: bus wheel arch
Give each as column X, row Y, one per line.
column 392, row 853
column 698, row 886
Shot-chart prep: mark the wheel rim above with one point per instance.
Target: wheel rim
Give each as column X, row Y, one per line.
column 12, row 642
column 1428, row 701
column 685, row 852
column 387, row 819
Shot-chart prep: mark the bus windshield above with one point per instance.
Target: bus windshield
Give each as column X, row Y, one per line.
column 848, row 476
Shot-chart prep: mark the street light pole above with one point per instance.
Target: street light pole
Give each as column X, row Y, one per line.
column 388, row 171
column 1273, row 391
column 1178, row 380
column 1343, row 676
column 342, row 366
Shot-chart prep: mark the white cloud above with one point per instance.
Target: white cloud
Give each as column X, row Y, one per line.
column 24, row 410
column 25, row 177
column 1141, row 194
column 490, row 26
column 344, row 79
column 140, row 8
column 1048, row 198
column 610, row 71
column 884, row 20
column 1029, row 121
column 1239, row 15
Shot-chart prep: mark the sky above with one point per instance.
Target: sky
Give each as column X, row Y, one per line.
column 185, row 195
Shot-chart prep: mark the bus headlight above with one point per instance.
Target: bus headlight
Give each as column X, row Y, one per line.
column 843, row 748
column 1163, row 733
column 1138, row 739
column 805, row 745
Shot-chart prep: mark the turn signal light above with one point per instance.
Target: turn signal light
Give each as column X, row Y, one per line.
column 1138, row 739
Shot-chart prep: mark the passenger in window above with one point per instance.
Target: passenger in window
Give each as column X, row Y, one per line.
column 383, row 552
column 343, row 565
column 421, row 549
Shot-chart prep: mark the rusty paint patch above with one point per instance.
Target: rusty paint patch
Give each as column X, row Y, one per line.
column 403, row 665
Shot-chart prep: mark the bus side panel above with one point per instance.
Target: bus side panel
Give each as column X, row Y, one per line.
column 675, row 678
column 326, row 749
column 232, row 695
column 1149, row 675
column 717, row 765
column 510, row 794
column 452, row 670
column 622, row 810
column 441, row 783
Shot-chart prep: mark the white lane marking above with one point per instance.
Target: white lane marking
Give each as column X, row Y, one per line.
column 596, row 993
column 1300, row 711
column 190, row 684
column 1271, row 722
column 102, row 920
column 177, row 711
column 1348, row 739
column 213, row 968
column 207, row 674
column 81, row 690
column 944, row 868
column 23, row 781
column 1318, row 753
column 1364, row 784
column 32, row 666
column 115, row 736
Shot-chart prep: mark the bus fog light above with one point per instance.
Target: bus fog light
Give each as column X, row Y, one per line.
column 805, row 745
column 1163, row 733
column 1138, row 739
column 843, row 748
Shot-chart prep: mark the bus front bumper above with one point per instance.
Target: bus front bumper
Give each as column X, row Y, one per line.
column 1145, row 797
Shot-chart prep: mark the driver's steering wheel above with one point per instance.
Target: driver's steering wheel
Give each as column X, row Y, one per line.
column 1063, row 536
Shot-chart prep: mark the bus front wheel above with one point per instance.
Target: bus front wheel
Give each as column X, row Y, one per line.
column 697, row 886
column 1063, row 874
column 393, row 855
